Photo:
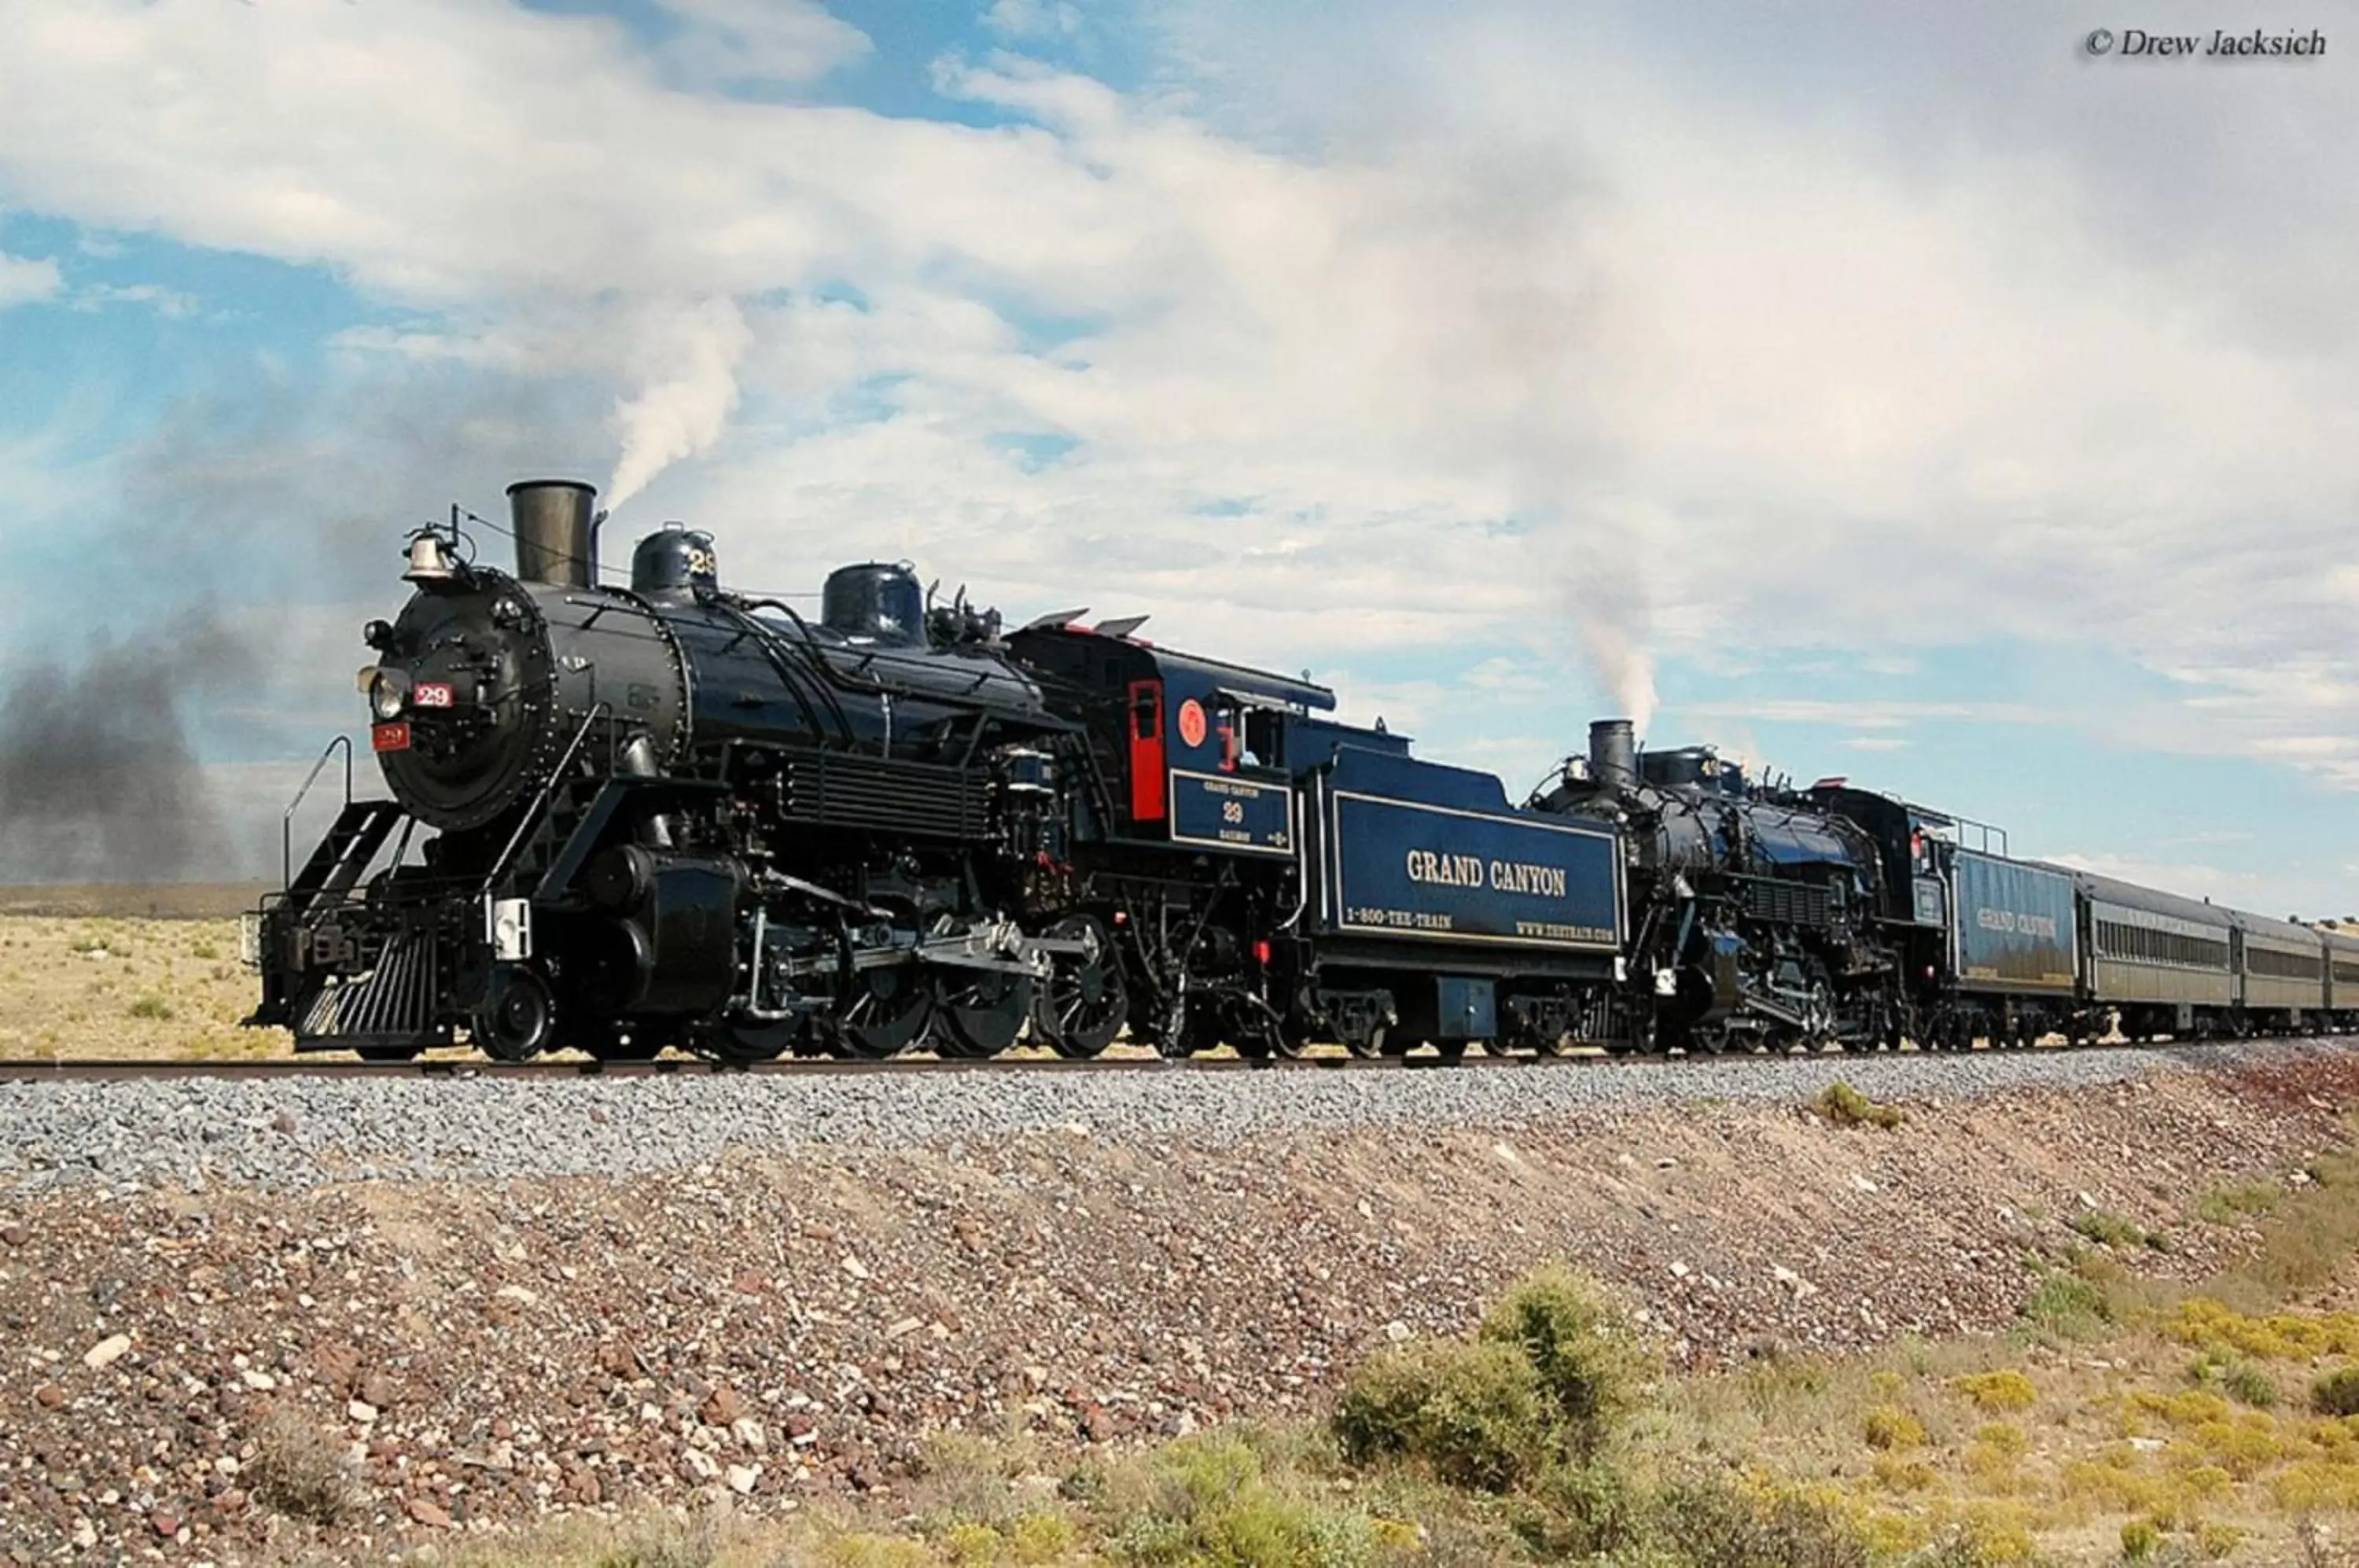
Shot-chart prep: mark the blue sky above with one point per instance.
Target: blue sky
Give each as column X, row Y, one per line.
column 1915, row 399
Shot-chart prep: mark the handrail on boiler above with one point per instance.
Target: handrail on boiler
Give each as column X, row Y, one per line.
column 286, row 818
column 532, row 815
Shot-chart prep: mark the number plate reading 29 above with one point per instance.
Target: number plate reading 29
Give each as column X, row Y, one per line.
column 1226, row 813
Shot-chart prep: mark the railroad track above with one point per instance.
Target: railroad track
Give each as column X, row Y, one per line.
column 97, row 1070
column 33, row 1070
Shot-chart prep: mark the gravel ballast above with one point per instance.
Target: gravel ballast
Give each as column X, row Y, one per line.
column 303, row 1132
column 634, row 1292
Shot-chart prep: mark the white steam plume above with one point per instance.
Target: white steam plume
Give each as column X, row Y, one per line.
column 1624, row 667
column 687, row 400
column 1613, row 613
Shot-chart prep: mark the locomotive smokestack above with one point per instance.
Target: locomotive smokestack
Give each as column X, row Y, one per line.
column 1612, row 753
column 556, row 536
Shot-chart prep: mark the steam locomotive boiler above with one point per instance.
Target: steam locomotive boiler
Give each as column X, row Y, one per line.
column 667, row 813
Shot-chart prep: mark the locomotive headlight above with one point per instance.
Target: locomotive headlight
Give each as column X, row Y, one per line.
column 387, row 690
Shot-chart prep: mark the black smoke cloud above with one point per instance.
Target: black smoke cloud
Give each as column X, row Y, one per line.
column 208, row 629
column 98, row 782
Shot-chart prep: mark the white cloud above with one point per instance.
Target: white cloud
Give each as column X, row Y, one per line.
column 759, row 40
column 1867, row 715
column 1033, row 18
column 1568, row 332
column 27, row 280
column 170, row 303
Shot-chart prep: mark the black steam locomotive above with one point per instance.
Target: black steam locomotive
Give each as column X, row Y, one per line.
column 676, row 815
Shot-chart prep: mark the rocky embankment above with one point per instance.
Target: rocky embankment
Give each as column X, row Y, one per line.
column 587, row 1296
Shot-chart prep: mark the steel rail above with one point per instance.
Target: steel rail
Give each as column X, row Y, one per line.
column 84, row 1071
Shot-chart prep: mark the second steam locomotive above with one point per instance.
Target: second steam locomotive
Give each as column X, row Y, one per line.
column 671, row 814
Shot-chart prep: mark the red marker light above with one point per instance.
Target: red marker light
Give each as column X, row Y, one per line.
column 393, row 736
column 1261, row 952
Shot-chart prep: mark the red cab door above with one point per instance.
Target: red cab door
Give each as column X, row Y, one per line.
column 1146, row 765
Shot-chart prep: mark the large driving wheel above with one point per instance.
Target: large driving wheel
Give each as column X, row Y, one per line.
column 744, row 1042
column 885, row 1013
column 981, row 1011
column 1082, row 1004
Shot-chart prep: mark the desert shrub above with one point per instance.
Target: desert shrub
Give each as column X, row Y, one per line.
column 1896, row 1473
column 864, row 1549
column 960, row 1479
column 2241, row 1200
column 2003, row 1437
column 2238, row 1379
column 1550, row 1373
column 2217, row 1541
column 1580, row 1511
column 660, row 1542
column 1214, row 1504
column 2068, row 1305
column 1589, row 1364
column 1968, row 1544
column 1839, row 1105
column 1718, row 1521
column 2141, row 1539
column 1888, row 1427
column 2005, row 1389
column 1477, row 1415
column 969, row 1543
column 298, row 1470
column 2107, row 1229
column 1450, row 1541
column 2336, row 1393
column 1041, row 1537
column 151, row 1006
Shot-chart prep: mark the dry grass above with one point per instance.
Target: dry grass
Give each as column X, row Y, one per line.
column 298, row 1470
column 112, row 987
column 2186, row 1431
column 136, row 900
column 2090, row 1435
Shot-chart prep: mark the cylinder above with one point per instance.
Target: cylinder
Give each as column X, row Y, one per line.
column 1612, row 753
column 555, row 534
